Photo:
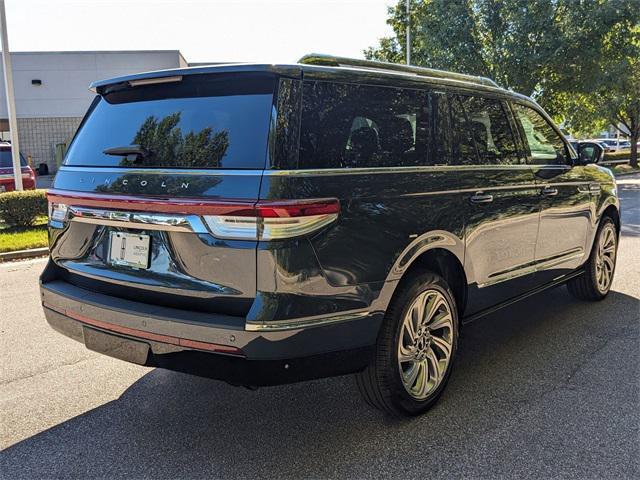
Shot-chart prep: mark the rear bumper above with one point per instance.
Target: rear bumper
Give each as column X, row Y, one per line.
column 205, row 344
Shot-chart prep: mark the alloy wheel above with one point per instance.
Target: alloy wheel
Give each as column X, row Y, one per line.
column 606, row 258
column 425, row 344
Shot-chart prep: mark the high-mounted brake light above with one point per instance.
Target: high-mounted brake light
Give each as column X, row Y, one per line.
column 274, row 220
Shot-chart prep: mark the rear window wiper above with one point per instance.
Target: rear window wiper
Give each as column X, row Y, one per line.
column 136, row 151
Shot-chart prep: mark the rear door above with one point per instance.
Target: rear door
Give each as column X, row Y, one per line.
column 568, row 196
column 136, row 207
column 502, row 203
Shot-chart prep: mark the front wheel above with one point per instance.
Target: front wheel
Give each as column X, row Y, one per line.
column 415, row 349
column 596, row 281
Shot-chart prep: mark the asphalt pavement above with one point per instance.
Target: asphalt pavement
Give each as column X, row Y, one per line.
column 547, row 388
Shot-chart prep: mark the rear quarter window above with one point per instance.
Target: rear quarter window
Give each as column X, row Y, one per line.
column 196, row 123
column 362, row 126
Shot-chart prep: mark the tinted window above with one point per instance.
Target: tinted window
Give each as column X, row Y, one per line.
column 543, row 143
column 287, row 124
column 6, row 160
column 197, row 123
column 489, row 125
column 442, row 139
column 347, row 126
column 464, row 148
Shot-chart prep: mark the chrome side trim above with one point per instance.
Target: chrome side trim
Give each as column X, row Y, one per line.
column 524, row 186
column 389, row 170
column 139, row 221
column 161, row 171
column 302, row 323
column 309, row 171
column 532, row 267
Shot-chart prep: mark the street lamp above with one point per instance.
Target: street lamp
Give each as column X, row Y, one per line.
column 408, row 32
column 11, row 103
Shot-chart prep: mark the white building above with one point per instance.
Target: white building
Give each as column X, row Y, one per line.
column 52, row 93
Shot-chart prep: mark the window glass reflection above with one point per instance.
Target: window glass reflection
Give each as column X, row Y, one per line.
column 544, row 145
column 223, row 131
column 489, row 126
column 350, row 126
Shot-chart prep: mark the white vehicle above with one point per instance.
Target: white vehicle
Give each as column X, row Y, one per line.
column 614, row 144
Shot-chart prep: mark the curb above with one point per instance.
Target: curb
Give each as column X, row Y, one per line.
column 625, row 174
column 22, row 254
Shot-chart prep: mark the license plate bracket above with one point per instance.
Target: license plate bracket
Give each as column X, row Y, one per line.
column 129, row 249
column 115, row 346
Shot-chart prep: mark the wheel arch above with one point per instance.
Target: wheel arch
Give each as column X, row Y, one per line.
column 613, row 213
column 440, row 252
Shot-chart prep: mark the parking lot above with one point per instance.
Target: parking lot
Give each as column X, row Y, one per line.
column 547, row 388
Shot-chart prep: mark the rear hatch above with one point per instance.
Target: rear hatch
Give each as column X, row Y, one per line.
column 152, row 170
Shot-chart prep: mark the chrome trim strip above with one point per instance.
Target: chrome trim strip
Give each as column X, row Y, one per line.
column 302, row 323
column 532, row 267
column 553, row 261
column 161, row 171
column 310, row 171
column 137, row 220
column 523, row 186
column 387, row 170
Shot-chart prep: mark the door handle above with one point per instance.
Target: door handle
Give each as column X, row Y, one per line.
column 480, row 197
column 592, row 188
column 549, row 192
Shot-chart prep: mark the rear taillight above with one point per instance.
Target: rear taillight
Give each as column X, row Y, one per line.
column 264, row 220
column 274, row 220
column 58, row 211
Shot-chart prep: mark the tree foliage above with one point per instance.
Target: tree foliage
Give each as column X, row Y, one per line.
column 578, row 58
column 169, row 146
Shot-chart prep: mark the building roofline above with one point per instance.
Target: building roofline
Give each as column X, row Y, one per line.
column 58, row 52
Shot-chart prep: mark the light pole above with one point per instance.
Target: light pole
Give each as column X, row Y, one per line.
column 408, row 32
column 11, row 101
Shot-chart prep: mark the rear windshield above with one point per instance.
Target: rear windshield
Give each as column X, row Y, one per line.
column 199, row 122
column 7, row 162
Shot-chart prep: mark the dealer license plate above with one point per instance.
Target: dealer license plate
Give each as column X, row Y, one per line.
column 131, row 250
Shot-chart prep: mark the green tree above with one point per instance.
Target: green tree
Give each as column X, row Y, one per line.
column 553, row 50
column 614, row 95
column 169, row 146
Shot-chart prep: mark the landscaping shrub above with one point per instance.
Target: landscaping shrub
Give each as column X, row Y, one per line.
column 22, row 208
column 619, row 155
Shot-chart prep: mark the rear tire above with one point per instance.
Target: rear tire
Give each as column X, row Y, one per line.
column 596, row 281
column 415, row 350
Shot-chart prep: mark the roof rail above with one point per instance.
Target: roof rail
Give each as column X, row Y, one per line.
column 332, row 61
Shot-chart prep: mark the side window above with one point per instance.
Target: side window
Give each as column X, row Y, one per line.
column 284, row 144
column 489, row 125
column 355, row 126
column 544, row 145
column 464, row 149
column 442, row 135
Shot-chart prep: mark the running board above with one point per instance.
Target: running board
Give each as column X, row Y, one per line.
column 530, row 293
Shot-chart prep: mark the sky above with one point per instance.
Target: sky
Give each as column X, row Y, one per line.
column 203, row 30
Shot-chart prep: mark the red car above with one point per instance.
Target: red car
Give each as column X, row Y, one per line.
column 7, row 182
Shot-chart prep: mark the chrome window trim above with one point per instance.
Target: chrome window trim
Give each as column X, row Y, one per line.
column 160, row 171
column 310, row 171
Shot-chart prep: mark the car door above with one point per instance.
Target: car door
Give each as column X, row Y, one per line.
column 502, row 209
column 567, row 196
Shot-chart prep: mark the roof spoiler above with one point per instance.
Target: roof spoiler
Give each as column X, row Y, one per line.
column 333, row 61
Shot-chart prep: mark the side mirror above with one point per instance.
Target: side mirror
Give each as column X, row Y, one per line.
column 590, row 152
